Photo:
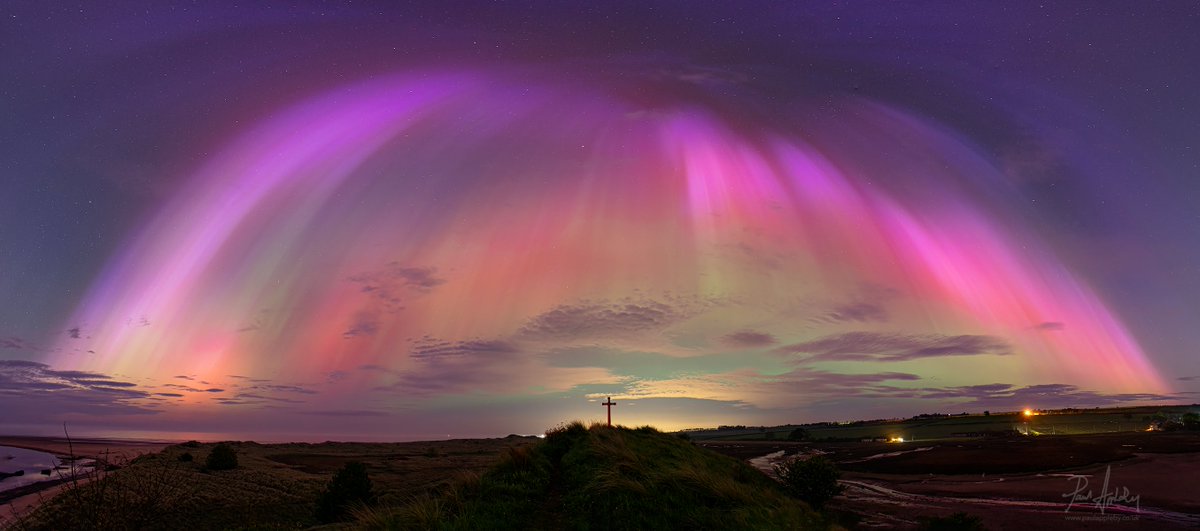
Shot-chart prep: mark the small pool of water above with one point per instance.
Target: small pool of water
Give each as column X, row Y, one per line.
column 32, row 463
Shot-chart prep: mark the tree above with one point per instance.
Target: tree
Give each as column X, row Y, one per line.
column 349, row 486
column 814, row 480
column 798, row 434
column 222, row 457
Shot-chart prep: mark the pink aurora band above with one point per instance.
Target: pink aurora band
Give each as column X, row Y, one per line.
column 459, row 206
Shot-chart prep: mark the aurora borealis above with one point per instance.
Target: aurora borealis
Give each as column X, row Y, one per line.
column 378, row 222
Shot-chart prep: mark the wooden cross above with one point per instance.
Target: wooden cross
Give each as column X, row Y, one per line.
column 609, row 404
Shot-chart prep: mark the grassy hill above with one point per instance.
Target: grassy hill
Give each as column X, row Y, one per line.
column 609, row 478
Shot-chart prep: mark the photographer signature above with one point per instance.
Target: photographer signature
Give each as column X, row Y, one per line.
column 1106, row 499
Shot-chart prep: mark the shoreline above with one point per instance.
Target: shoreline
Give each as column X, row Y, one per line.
column 90, row 448
column 14, row 494
column 25, row 499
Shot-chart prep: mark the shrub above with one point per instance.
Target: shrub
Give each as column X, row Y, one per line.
column 814, row 480
column 1191, row 421
column 798, row 434
column 956, row 522
column 222, row 457
column 186, row 457
column 349, row 487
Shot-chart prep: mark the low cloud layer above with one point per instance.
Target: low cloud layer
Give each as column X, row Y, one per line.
column 881, row 347
column 34, row 392
column 601, row 319
column 749, row 339
column 854, row 312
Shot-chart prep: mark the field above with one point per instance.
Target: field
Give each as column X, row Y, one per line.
column 1067, row 422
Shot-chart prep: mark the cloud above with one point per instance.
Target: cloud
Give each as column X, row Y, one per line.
column 283, row 389
column 428, row 348
column 749, row 338
column 386, row 285
column 259, row 397
column 593, row 319
column 873, row 346
column 365, row 324
column 1044, row 396
column 1049, row 326
column 33, row 392
column 752, row 387
column 642, row 365
column 418, row 278
column 73, row 333
column 345, row 413
column 855, row 312
column 479, row 366
column 865, row 306
column 1188, row 378
column 15, row 343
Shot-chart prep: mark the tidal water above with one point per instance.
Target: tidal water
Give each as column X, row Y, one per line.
column 32, row 462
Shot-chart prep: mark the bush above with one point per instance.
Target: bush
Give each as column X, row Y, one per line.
column 186, row 457
column 350, row 486
column 1191, row 421
column 955, row 522
column 222, row 457
column 814, row 480
column 798, row 434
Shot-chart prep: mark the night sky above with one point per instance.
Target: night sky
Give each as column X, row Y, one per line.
column 327, row 221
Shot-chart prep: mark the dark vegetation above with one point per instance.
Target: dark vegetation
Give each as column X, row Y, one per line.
column 814, row 480
column 222, row 457
column 349, row 488
column 956, row 522
column 798, row 434
column 606, row 478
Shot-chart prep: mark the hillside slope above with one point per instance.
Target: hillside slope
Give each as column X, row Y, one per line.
column 607, row 478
